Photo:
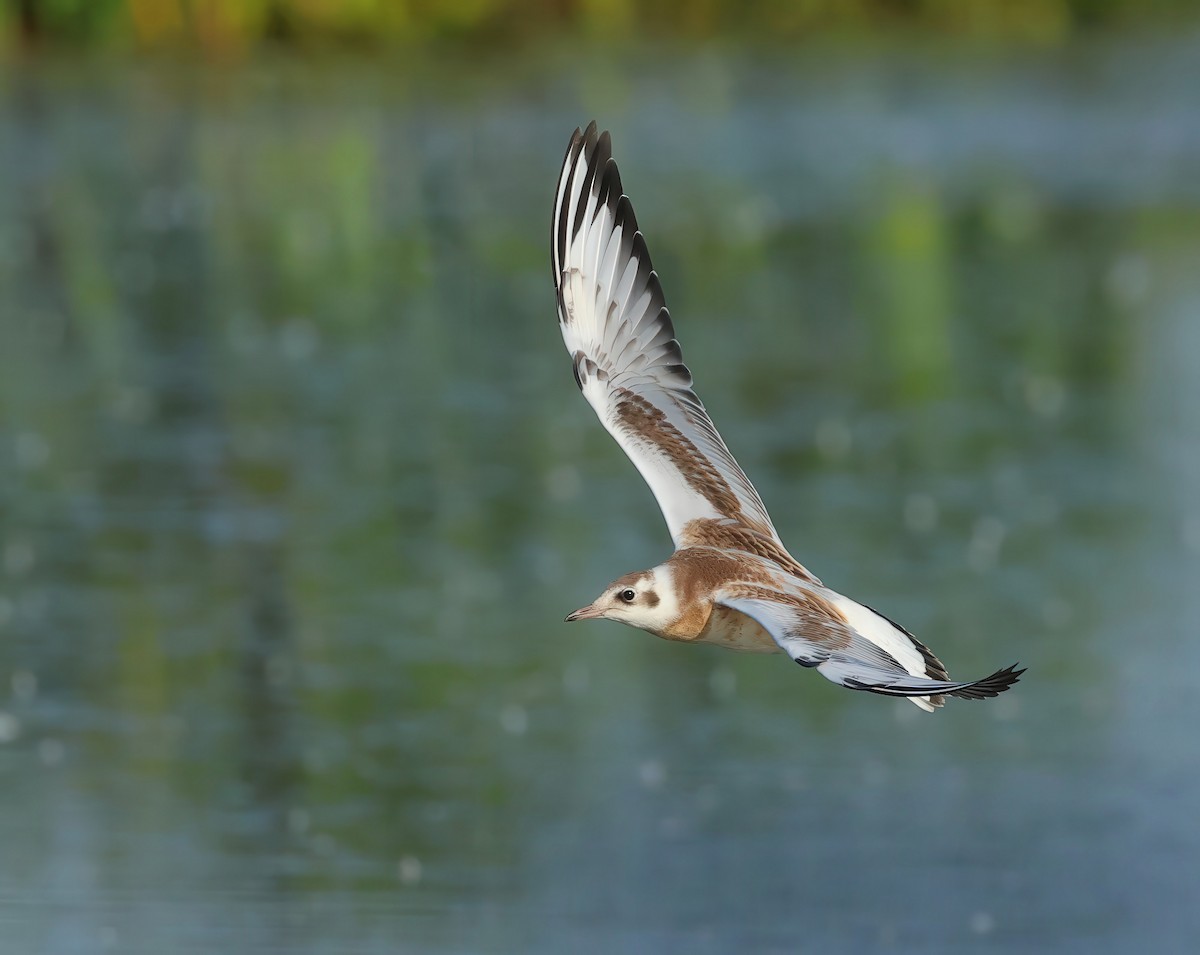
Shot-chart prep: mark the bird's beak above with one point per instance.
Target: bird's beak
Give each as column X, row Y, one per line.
column 590, row 612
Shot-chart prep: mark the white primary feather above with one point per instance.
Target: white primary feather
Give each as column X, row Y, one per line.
column 617, row 328
column 880, row 631
column 884, row 634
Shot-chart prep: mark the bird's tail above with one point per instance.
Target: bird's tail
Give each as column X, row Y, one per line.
column 920, row 690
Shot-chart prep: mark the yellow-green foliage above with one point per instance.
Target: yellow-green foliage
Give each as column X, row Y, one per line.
column 230, row 27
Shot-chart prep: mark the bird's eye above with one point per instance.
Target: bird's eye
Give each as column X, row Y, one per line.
column 627, row 595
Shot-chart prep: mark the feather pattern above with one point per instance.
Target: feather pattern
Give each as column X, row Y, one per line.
column 853, row 646
column 627, row 361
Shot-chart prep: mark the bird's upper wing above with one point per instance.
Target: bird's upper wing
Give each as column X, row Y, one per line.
column 853, row 645
column 627, row 362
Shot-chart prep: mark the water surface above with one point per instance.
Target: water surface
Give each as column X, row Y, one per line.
column 295, row 489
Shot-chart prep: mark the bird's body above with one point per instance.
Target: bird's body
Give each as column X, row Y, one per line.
column 730, row 581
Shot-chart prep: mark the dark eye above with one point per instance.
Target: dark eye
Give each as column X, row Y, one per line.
column 627, row 595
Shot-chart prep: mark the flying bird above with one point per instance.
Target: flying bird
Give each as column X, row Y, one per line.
column 730, row 581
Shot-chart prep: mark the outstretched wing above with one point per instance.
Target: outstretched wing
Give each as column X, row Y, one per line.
column 627, row 362
column 854, row 646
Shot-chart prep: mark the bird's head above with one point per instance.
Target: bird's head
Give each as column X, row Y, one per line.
column 644, row 599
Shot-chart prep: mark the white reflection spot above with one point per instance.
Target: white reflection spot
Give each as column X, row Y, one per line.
column 409, row 870
column 51, row 752
column 652, row 773
column 514, row 719
column 1045, row 395
column 10, row 727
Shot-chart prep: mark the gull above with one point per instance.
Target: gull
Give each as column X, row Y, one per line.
column 730, row 581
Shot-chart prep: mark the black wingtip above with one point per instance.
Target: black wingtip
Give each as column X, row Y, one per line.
column 990, row 686
column 582, row 141
column 598, row 150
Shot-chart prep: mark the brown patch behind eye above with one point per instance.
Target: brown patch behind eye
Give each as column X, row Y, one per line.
column 651, row 598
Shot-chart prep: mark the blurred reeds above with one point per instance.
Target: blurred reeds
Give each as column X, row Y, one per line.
column 237, row 27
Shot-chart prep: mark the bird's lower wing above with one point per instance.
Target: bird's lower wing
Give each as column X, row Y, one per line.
column 627, row 361
column 817, row 628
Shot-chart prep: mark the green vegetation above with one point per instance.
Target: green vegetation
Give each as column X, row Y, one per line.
column 234, row 27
